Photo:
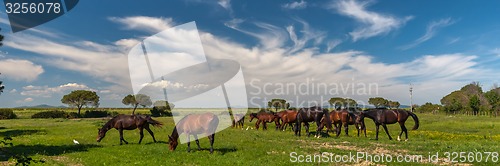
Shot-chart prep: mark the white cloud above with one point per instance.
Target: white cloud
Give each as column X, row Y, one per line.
column 332, row 44
column 104, row 62
column 149, row 24
column 29, row 99
column 46, row 91
column 295, row 5
column 20, row 70
column 233, row 23
column 13, row 91
column 430, row 32
column 373, row 24
column 226, row 4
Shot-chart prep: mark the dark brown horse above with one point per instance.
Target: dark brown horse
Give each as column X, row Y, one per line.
column 385, row 116
column 287, row 117
column 195, row 124
column 345, row 118
column 312, row 114
column 264, row 118
column 128, row 122
column 239, row 120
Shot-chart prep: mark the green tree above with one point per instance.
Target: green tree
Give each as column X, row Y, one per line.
column 164, row 105
column 474, row 104
column 493, row 97
column 428, row 108
column 139, row 99
column 393, row 104
column 350, row 103
column 378, row 102
column 278, row 104
column 1, row 86
column 80, row 98
column 336, row 102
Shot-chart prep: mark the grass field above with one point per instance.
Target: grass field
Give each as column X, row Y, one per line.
column 51, row 140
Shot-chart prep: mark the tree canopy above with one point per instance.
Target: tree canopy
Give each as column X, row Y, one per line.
column 136, row 100
column 278, row 104
column 468, row 98
column 339, row 103
column 80, row 98
column 378, row 102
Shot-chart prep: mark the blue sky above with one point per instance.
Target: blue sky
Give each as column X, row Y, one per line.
column 438, row 46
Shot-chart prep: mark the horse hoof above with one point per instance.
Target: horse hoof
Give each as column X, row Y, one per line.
column 399, row 139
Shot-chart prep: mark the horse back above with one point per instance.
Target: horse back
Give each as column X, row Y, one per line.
column 199, row 123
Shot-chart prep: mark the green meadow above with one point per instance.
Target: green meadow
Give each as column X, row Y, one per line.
column 51, row 140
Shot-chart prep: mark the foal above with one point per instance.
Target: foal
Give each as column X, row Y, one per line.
column 195, row 124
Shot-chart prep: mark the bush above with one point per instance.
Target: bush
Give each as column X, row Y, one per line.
column 7, row 114
column 160, row 111
column 95, row 114
column 50, row 114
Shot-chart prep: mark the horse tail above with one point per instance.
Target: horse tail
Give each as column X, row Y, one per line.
column 153, row 122
column 415, row 118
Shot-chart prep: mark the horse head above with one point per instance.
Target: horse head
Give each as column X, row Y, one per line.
column 101, row 133
column 172, row 143
column 359, row 120
column 253, row 115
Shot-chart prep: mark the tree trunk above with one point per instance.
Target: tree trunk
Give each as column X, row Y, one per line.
column 135, row 107
column 79, row 108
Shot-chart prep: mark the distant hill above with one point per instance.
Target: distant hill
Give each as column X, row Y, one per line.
column 42, row 106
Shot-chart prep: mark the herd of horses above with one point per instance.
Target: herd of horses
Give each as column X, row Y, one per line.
column 334, row 119
column 206, row 123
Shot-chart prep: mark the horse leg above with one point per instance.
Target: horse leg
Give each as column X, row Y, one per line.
column 387, row 131
column 264, row 125
column 121, row 136
column 339, row 129
column 197, row 141
column 376, row 135
column 212, row 139
column 188, row 142
column 404, row 129
column 141, row 133
column 257, row 124
column 150, row 132
column 346, row 128
column 306, row 125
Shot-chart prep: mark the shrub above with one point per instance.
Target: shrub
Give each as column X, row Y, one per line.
column 50, row 114
column 160, row 111
column 95, row 114
column 7, row 114
column 73, row 115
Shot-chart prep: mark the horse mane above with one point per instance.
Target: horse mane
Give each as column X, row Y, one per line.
column 108, row 125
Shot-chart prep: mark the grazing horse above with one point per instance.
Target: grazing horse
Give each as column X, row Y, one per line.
column 129, row 122
column 195, row 124
column 239, row 120
column 264, row 118
column 384, row 117
column 287, row 117
column 345, row 118
column 312, row 114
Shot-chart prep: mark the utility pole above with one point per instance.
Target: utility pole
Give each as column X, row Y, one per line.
column 411, row 97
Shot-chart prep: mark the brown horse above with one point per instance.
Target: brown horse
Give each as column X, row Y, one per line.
column 128, row 122
column 384, row 117
column 312, row 114
column 239, row 120
column 287, row 117
column 195, row 124
column 345, row 118
column 264, row 118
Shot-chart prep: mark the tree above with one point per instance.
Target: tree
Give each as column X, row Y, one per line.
column 393, row 104
column 350, row 103
column 139, row 99
column 493, row 97
column 336, row 102
column 80, row 98
column 164, row 105
column 428, row 108
column 474, row 104
column 278, row 103
column 378, row 102
column 1, row 86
